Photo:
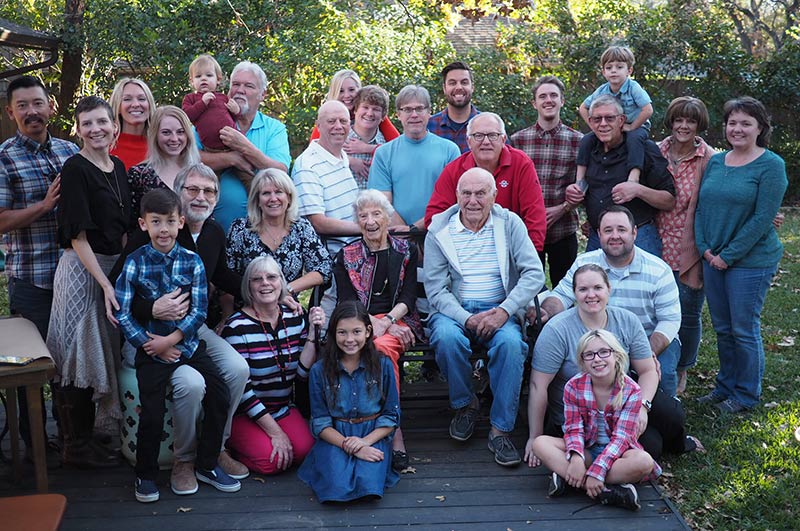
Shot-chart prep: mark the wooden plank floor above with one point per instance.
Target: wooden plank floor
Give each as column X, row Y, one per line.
column 456, row 486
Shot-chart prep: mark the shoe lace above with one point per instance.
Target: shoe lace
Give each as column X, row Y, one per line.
column 502, row 443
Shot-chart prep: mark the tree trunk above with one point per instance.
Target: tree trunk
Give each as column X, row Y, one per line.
column 72, row 59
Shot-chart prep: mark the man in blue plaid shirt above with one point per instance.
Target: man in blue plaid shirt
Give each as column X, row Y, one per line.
column 30, row 164
column 162, row 267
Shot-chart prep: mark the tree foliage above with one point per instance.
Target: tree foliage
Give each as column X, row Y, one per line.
column 695, row 47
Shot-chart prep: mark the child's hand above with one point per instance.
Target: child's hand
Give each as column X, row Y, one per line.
column 369, row 453
column 171, row 355
column 208, row 97
column 157, row 345
column 594, row 486
column 233, row 107
column 352, row 445
column 576, row 470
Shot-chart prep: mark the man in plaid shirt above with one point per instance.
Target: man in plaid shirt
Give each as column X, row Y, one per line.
column 553, row 148
column 451, row 122
column 30, row 167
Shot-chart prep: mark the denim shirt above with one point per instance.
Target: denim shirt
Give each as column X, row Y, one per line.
column 355, row 397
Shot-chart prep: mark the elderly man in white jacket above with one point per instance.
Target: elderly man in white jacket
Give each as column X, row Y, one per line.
column 481, row 270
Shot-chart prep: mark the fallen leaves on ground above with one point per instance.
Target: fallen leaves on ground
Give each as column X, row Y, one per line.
column 184, row 509
column 440, row 498
column 409, row 470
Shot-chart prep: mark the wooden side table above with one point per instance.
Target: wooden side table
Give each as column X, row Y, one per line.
column 32, row 377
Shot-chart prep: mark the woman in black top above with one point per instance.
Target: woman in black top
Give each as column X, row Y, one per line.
column 93, row 215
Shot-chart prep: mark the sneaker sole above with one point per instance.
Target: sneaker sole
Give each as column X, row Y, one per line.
column 184, row 492
column 238, row 476
column 147, row 498
column 464, row 438
column 501, row 463
column 219, row 486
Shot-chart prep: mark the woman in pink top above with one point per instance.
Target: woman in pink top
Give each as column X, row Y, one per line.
column 687, row 155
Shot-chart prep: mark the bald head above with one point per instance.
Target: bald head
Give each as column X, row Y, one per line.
column 333, row 123
column 476, row 193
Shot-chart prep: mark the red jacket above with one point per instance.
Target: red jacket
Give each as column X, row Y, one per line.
column 518, row 190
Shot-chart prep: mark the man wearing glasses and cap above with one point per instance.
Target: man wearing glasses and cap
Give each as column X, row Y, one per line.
column 518, row 187
column 30, row 185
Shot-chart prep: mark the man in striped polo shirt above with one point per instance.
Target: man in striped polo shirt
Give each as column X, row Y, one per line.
column 326, row 189
column 481, row 271
column 643, row 284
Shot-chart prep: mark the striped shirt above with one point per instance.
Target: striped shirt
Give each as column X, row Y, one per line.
column 325, row 186
column 26, row 170
column 645, row 287
column 554, row 153
column 274, row 359
column 477, row 259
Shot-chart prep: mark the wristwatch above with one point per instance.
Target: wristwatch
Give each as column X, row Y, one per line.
column 391, row 318
column 647, row 405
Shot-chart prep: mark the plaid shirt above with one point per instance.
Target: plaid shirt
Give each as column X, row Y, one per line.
column 580, row 424
column 26, row 170
column 553, row 153
column 150, row 274
column 441, row 125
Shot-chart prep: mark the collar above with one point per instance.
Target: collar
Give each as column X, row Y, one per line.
column 446, row 120
column 32, row 145
column 360, row 366
column 699, row 147
column 158, row 257
column 468, row 160
column 459, row 226
column 325, row 154
column 625, row 87
column 542, row 132
column 636, row 265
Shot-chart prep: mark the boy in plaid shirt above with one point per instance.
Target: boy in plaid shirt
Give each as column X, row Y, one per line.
column 162, row 346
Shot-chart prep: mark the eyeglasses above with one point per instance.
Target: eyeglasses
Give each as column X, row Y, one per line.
column 194, row 191
column 493, row 137
column 411, row 110
column 268, row 277
column 596, row 120
column 603, row 353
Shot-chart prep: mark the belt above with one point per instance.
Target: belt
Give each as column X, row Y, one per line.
column 643, row 223
column 358, row 420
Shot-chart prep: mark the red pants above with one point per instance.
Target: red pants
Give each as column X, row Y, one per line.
column 393, row 348
column 253, row 447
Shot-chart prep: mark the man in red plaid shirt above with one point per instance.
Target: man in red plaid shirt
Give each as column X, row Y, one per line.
column 553, row 148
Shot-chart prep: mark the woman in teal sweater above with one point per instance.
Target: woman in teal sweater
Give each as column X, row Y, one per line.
column 741, row 192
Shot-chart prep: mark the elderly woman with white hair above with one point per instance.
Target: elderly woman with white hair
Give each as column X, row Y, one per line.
column 273, row 228
column 268, row 433
column 381, row 271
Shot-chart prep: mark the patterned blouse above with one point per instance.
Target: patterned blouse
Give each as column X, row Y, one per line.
column 141, row 179
column 301, row 250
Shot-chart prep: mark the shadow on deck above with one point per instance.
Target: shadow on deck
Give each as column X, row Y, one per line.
column 455, row 486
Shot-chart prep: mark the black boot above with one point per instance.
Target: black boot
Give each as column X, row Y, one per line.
column 76, row 415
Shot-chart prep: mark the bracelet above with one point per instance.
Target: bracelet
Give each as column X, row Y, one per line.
column 391, row 318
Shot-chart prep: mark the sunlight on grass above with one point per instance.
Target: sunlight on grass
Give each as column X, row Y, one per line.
column 750, row 475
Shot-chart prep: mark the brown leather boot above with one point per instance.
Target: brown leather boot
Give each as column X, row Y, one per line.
column 76, row 421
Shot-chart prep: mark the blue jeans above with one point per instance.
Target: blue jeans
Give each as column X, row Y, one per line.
column 735, row 299
column 691, row 323
column 669, row 367
column 507, row 353
column 647, row 239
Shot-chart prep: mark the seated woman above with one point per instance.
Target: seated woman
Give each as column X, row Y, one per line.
column 273, row 228
column 354, row 410
column 599, row 452
column 554, row 363
column 380, row 271
column 268, row 434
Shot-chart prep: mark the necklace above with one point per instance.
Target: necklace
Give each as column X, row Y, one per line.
column 676, row 159
column 118, row 192
column 275, row 241
column 276, row 348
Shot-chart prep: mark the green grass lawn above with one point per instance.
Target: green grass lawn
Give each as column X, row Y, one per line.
column 750, row 476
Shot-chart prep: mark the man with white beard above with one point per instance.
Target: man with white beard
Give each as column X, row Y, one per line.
column 198, row 188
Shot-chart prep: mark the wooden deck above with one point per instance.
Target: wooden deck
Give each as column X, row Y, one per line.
column 456, row 486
